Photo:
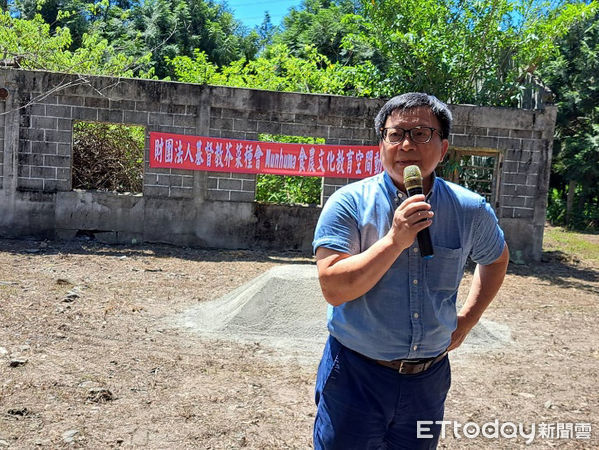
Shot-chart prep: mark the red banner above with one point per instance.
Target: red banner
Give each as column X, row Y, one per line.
column 175, row 151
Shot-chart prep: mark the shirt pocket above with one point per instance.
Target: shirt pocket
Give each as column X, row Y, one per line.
column 445, row 269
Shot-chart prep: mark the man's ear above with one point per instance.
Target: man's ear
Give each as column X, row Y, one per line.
column 445, row 147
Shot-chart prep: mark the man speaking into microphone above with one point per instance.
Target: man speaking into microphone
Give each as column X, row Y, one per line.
column 390, row 261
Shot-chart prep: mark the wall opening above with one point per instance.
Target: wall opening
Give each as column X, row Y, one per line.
column 475, row 169
column 289, row 190
column 108, row 157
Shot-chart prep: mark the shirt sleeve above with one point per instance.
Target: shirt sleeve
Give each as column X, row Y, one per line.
column 488, row 239
column 337, row 227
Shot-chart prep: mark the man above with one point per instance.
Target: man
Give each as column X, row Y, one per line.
column 392, row 315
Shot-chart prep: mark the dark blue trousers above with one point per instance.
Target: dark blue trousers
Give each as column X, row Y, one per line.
column 363, row 405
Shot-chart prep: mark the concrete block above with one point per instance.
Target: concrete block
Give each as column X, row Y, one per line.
column 521, row 134
column 463, row 141
column 63, row 149
column 30, row 184
column 170, row 108
column 38, row 109
column 229, row 184
column 160, row 119
column 499, row 132
column 136, row 118
column 24, row 171
column 39, row 122
column 72, row 100
column 116, row 116
column 180, row 192
column 96, row 102
column 57, row 161
column 64, row 124
column 249, row 186
column 155, row 191
column 514, row 178
column 45, row 148
column 213, row 194
column 43, row 172
column 31, row 134
column 245, row 125
column 523, row 213
column 60, row 111
column 24, row 146
column 241, row 196
column 517, row 190
column 85, row 114
column 187, row 182
column 184, row 121
column 222, row 124
column 211, row 183
column 122, row 105
column 51, row 185
column 32, row 159
column 58, row 136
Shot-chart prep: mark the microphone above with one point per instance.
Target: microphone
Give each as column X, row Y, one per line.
column 412, row 179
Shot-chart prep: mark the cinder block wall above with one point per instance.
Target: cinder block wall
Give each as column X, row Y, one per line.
column 214, row 209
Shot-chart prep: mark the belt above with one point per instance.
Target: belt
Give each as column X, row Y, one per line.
column 410, row 366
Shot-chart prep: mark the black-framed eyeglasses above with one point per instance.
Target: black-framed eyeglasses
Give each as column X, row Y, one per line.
column 419, row 135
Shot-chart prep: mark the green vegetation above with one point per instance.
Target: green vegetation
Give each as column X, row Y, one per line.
column 574, row 199
column 108, row 157
column 583, row 246
column 287, row 189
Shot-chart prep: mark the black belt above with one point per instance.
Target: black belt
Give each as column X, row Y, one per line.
column 409, row 366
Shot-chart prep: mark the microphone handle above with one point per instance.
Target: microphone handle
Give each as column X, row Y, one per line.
column 425, row 244
column 424, row 236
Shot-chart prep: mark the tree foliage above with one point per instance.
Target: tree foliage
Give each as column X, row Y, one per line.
column 278, row 70
column 573, row 77
column 465, row 52
column 32, row 45
column 334, row 28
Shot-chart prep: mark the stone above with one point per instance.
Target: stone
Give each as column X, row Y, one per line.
column 69, row 436
column 17, row 362
column 99, row 395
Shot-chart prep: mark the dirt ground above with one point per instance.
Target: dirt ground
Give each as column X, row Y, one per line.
column 86, row 360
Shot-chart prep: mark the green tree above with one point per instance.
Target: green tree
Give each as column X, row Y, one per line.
column 572, row 76
column 32, row 45
column 172, row 28
column 334, row 28
column 465, row 52
column 277, row 69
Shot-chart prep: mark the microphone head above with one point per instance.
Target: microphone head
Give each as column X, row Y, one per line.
column 412, row 178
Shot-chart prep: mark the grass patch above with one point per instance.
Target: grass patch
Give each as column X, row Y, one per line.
column 584, row 246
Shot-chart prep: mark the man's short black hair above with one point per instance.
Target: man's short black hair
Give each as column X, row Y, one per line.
column 414, row 100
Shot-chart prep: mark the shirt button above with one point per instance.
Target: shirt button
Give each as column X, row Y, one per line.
column 415, row 282
column 416, row 316
column 415, row 348
column 415, row 249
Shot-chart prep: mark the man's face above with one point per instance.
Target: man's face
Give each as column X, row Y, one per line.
column 396, row 157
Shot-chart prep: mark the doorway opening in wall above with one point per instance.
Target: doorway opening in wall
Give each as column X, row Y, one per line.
column 108, row 157
column 475, row 169
column 289, row 190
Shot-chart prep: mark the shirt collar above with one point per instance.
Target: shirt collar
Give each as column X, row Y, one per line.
column 395, row 193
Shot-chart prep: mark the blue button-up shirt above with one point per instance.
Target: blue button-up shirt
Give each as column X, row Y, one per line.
column 411, row 312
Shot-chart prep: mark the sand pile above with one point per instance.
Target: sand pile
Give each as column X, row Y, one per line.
column 284, row 308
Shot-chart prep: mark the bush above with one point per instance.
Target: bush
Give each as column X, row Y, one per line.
column 108, row 157
column 289, row 190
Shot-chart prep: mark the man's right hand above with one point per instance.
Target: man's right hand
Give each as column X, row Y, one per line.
column 412, row 216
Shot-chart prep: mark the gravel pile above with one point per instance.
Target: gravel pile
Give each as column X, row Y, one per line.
column 284, row 308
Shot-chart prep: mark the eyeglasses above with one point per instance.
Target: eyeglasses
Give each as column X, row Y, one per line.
column 419, row 135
